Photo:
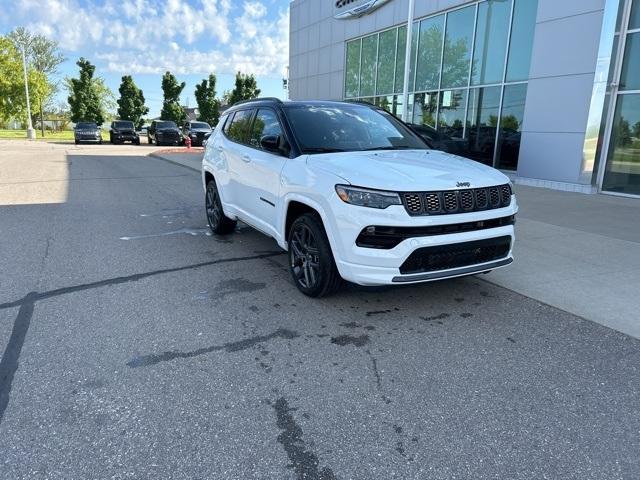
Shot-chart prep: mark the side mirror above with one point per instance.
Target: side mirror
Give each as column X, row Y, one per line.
column 271, row 143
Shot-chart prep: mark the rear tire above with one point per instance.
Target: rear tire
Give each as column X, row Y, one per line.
column 219, row 223
column 311, row 261
column 149, row 141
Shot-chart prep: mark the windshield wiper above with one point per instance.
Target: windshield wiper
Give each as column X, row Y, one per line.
column 322, row 150
column 400, row 147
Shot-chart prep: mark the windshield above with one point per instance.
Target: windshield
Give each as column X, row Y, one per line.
column 200, row 125
column 166, row 125
column 349, row 128
column 86, row 126
column 122, row 124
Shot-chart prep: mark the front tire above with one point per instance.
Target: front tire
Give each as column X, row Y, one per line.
column 311, row 261
column 219, row 223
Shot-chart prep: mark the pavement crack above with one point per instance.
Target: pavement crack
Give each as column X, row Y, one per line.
column 11, row 356
column 132, row 278
column 376, row 372
column 154, row 359
column 304, row 462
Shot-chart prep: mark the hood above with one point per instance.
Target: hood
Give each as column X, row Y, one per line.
column 200, row 130
column 167, row 129
column 407, row 170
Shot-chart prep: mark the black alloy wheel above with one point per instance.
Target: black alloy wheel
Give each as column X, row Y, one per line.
column 219, row 223
column 310, row 258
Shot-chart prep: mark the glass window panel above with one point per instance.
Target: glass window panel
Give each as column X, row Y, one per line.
column 482, row 123
column 425, row 109
column 368, row 65
column 451, row 116
column 490, row 47
column 386, row 59
column 400, row 58
column 265, row 123
column 385, row 103
column 510, row 132
column 430, row 53
column 524, row 25
column 634, row 21
column 630, row 79
column 239, row 128
column 622, row 174
column 457, row 47
column 352, row 81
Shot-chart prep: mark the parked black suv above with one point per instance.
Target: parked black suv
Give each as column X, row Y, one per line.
column 123, row 131
column 87, row 132
column 198, row 132
column 164, row 132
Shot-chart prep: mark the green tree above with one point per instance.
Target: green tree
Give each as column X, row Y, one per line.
column 131, row 102
column 89, row 97
column 245, row 88
column 13, row 100
column 636, row 130
column 171, row 109
column 208, row 104
column 623, row 134
column 43, row 56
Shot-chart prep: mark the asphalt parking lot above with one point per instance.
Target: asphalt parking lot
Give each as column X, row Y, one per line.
column 136, row 345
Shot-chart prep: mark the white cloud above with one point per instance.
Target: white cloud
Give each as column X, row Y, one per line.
column 152, row 36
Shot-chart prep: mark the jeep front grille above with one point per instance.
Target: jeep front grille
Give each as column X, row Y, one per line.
column 457, row 201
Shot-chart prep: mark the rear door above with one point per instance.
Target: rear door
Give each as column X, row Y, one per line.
column 233, row 146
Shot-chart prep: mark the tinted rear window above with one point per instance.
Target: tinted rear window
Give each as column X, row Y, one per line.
column 239, row 127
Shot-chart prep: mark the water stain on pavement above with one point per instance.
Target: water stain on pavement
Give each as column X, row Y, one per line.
column 153, row 359
column 344, row 340
column 194, row 232
column 304, row 462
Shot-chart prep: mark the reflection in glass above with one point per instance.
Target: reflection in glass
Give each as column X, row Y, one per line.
column 386, row 59
column 425, row 109
column 630, row 78
column 457, row 48
column 400, row 58
column 524, row 25
column 430, row 53
column 622, row 174
column 352, row 75
column 510, row 131
column 634, row 21
column 491, row 42
column 368, row 65
column 451, row 116
column 482, row 122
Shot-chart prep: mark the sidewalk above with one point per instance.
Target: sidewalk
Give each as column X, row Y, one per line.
column 579, row 253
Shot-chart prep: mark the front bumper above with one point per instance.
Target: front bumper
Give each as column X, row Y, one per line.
column 371, row 266
column 88, row 138
column 126, row 137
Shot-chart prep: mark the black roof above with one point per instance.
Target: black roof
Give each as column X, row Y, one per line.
column 296, row 103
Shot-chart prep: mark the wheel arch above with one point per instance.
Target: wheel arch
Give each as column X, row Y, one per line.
column 296, row 205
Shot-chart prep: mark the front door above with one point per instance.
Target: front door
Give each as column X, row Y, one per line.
column 261, row 172
column 622, row 169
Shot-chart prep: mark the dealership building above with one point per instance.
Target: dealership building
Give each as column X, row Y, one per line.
column 545, row 90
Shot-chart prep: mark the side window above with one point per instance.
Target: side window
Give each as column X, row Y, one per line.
column 266, row 123
column 239, row 128
column 227, row 125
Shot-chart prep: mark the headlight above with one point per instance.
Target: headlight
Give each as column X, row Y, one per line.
column 367, row 198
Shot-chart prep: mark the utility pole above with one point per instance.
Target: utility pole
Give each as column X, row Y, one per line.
column 31, row 134
column 407, row 63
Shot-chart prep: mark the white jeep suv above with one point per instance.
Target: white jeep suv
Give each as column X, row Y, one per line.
column 353, row 193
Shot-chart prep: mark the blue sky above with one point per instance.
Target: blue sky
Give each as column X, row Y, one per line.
column 145, row 38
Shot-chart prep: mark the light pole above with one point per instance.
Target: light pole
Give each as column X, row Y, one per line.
column 31, row 134
column 407, row 63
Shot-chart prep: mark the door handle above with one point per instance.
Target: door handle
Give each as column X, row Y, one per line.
column 246, row 158
column 219, row 148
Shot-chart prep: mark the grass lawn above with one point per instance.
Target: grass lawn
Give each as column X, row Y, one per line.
column 22, row 135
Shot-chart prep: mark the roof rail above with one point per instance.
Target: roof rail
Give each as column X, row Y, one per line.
column 268, row 99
